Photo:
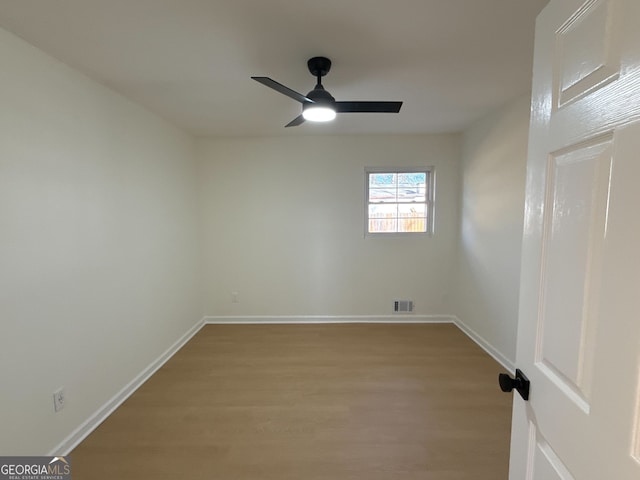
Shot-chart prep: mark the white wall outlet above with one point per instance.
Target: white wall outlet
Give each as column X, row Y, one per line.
column 58, row 399
column 234, row 297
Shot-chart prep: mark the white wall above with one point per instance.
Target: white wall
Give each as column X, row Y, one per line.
column 486, row 287
column 284, row 227
column 98, row 244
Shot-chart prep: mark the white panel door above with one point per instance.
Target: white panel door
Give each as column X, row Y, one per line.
column 579, row 320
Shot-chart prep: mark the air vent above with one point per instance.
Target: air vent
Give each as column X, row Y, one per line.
column 403, row 306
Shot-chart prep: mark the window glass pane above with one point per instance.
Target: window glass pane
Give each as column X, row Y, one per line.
column 412, row 210
column 383, row 226
column 412, row 179
column 382, row 179
column 383, row 195
column 411, row 194
column 414, row 225
column 383, row 211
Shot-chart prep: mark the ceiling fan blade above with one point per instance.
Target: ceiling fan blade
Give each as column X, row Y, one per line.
column 368, row 107
column 295, row 122
column 278, row 87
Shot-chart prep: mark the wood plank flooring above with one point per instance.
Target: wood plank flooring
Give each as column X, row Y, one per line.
column 311, row 402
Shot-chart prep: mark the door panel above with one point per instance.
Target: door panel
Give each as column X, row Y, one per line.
column 587, row 55
column 573, row 235
column 617, row 365
column 546, row 464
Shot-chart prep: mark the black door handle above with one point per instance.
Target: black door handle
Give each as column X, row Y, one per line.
column 520, row 383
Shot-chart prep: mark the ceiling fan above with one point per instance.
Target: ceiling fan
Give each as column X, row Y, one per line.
column 318, row 105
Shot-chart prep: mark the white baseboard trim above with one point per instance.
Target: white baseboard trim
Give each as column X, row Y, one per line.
column 301, row 319
column 89, row 425
column 485, row 345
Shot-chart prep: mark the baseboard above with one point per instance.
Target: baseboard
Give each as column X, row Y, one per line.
column 301, row 319
column 80, row 433
column 485, row 345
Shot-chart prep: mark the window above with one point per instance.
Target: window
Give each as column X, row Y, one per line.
column 399, row 200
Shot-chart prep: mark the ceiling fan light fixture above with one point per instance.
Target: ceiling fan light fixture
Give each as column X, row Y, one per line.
column 318, row 113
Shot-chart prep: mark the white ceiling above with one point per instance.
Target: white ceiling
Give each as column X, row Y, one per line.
column 190, row 61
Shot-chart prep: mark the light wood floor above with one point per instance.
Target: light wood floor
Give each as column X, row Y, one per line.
column 307, row 402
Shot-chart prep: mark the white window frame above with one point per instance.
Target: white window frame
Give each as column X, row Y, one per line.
column 429, row 200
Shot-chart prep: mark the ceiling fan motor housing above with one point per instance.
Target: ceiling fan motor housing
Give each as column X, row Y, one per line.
column 320, row 95
column 319, row 66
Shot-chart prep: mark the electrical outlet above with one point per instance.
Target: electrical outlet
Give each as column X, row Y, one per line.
column 234, row 297
column 58, row 399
